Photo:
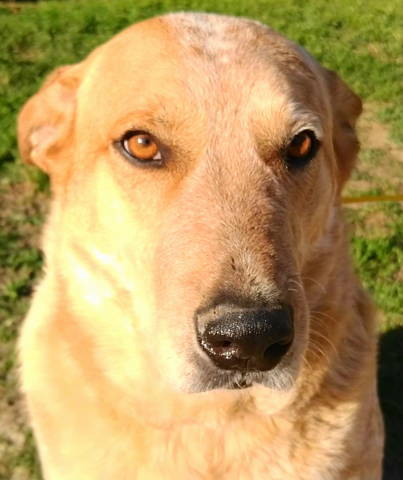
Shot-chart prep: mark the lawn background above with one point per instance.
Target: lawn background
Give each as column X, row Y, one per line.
column 363, row 41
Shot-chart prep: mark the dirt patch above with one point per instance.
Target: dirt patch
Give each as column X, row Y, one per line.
column 16, row 7
column 379, row 171
column 376, row 134
column 380, row 165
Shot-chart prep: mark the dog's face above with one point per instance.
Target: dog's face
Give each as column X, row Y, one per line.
column 195, row 161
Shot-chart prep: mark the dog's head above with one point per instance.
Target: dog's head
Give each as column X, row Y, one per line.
column 196, row 162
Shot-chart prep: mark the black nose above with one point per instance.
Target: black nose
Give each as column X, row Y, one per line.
column 249, row 339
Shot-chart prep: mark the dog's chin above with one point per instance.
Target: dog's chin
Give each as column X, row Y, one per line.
column 266, row 392
column 196, row 375
column 200, row 394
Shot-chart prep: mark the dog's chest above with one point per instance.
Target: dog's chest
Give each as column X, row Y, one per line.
column 195, row 452
column 250, row 450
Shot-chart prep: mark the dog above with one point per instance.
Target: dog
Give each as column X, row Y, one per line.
column 199, row 316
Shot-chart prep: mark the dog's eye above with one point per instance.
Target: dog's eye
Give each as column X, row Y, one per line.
column 140, row 147
column 301, row 149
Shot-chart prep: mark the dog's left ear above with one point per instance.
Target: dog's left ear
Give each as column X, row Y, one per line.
column 347, row 107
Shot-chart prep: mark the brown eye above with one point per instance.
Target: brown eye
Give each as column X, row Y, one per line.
column 302, row 148
column 141, row 147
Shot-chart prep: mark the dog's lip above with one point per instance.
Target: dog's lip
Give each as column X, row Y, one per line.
column 233, row 379
column 241, row 380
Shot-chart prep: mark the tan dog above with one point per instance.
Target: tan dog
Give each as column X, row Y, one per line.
column 199, row 317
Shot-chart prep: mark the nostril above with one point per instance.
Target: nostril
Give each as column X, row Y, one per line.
column 217, row 346
column 222, row 348
column 277, row 350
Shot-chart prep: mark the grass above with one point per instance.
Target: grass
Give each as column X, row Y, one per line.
column 359, row 39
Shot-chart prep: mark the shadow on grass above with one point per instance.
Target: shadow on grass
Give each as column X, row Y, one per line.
column 391, row 394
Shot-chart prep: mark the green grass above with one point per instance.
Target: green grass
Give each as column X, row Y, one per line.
column 362, row 40
column 380, row 262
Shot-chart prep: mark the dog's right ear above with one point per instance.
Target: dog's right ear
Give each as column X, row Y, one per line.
column 46, row 120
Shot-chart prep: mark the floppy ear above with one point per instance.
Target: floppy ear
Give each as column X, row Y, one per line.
column 347, row 107
column 46, row 120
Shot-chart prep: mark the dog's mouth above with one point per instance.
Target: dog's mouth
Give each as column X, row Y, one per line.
column 232, row 380
column 241, row 384
column 243, row 380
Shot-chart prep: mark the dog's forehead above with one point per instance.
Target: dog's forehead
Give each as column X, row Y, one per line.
column 235, row 40
column 201, row 62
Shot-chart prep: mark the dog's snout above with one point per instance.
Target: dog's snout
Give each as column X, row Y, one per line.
column 248, row 339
